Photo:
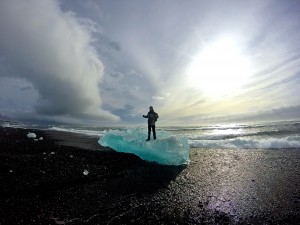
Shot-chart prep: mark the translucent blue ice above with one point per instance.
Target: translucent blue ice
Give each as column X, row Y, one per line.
column 167, row 149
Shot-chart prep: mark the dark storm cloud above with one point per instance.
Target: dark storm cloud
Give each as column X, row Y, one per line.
column 53, row 51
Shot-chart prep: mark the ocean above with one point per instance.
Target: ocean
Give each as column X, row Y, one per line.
column 271, row 135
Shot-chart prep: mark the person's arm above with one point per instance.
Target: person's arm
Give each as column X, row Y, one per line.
column 146, row 116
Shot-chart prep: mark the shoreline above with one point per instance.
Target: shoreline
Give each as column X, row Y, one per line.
column 43, row 182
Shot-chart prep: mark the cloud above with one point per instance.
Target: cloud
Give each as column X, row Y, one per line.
column 134, row 73
column 158, row 97
column 118, row 75
column 25, row 88
column 274, row 114
column 115, row 45
column 53, row 50
column 91, row 25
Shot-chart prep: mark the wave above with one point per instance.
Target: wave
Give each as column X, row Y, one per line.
column 259, row 134
column 217, row 127
column 249, row 143
column 11, row 124
column 88, row 132
column 272, row 135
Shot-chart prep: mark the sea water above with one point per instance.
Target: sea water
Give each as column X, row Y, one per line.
column 271, row 135
column 244, row 136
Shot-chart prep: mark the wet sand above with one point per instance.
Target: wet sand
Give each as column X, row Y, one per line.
column 43, row 182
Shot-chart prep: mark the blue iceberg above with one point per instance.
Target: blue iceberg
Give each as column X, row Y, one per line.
column 167, row 149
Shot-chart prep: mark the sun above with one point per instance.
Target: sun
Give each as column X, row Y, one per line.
column 219, row 69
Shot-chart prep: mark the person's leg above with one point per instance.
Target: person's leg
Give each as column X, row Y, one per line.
column 149, row 131
column 154, row 132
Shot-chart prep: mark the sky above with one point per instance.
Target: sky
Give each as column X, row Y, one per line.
column 105, row 62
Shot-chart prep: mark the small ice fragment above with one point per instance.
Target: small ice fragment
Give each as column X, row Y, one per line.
column 41, row 138
column 85, row 172
column 35, row 139
column 71, row 156
column 31, row 135
column 11, row 171
column 44, row 153
column 52, row 153
column 58, row 221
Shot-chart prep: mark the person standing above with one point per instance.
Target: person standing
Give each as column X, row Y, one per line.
column 152, row 118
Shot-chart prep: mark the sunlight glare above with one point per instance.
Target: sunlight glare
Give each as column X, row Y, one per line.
column 219, row 69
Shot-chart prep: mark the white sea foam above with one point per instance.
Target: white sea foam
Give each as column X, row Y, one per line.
column 5, row 124
column 88, row 132
column 264, row 143
column 11, row 125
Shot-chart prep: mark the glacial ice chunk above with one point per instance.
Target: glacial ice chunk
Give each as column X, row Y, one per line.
column 167, row 149
column 85, row 172
column 31, row 135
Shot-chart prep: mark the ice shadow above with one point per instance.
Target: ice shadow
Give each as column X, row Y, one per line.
column 137, row 175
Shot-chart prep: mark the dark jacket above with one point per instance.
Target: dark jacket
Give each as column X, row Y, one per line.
column 152, row 117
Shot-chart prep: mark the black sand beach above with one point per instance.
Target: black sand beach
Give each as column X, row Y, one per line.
column 43, row 182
